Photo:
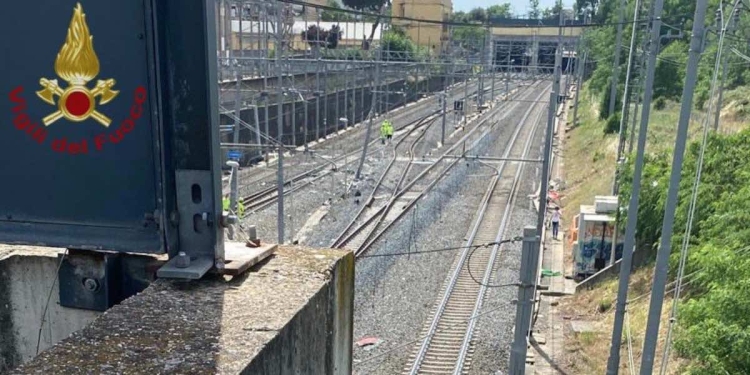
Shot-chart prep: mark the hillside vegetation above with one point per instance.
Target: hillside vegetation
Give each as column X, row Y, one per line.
column 712, row 331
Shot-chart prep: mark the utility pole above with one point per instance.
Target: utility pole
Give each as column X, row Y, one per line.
column 621, row 137
column 316, row 49
column 662, row 257
column 616, row 65
column 546, row 163
column 373, row 104
column 466, row 91
column 445, row 100
column 733, row 23
column 525, row 302
column 237, row 106
column 507, row 72
column 280, row 124
column 613, row 363
column 483, row 63
column 625, row 103
column 581, row 72
column 233, row 194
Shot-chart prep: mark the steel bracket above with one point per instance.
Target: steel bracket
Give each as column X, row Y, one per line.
column 95, row 280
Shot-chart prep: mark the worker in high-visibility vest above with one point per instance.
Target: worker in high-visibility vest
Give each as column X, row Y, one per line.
column 240, row 207
column 386, row 131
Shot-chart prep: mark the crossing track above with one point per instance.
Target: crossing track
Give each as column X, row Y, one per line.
column 267, row 196
column 447, row 344
column 379, row 189
column 361, row 237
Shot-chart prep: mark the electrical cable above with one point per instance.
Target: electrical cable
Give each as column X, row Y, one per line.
column 742, row 251
column 49, row 296
column 462, row 322
column 473, row 278
column 694, row 196
column 430, row 251
column 452, row 23
column 631, row 360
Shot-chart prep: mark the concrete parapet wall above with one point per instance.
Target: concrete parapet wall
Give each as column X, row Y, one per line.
column 291, row 314
column 26, row 275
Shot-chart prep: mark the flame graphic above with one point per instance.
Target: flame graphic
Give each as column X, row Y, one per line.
column 77, row 62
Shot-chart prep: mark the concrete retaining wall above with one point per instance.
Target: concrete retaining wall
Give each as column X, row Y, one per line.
column 291, row 314
column 25, row 281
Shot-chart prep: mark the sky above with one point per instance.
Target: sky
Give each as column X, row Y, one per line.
column 516, row 6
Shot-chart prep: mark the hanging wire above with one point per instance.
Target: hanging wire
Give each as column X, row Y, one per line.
column 49, row 297
column 693, row 200
column 631, row 360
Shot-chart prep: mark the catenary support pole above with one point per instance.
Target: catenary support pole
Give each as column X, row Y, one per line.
column 621, row 138
column 662, row 257
column 233, row 194
column 579, row 84
column 280, row 125
column 546, row 163
column 525, row 302
column 625, row 106
column 258, row 138
column 613, row 363
column 616, row 64
column 442, row 130
column 368, row 131
column 732, row 25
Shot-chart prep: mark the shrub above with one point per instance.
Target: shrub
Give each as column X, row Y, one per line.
column 660, row 104
column 613, row 124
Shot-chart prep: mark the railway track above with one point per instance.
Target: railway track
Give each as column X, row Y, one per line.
column 267, row 196
column 447, row 345
column 348, row 235
column 398, row 116
column 362, row 233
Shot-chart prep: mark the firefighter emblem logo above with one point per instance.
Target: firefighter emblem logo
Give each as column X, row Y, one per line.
column 77, row 64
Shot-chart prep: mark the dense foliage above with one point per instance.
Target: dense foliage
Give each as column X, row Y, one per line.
column 672, row 58
column 320, row 37
column 713, row 325
column 336, row 15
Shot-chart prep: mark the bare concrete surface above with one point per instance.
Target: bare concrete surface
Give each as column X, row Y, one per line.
column 289, row 314
column 547, row 344
column 27, row 279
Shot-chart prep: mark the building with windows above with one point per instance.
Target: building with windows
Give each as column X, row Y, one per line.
column 434, row 36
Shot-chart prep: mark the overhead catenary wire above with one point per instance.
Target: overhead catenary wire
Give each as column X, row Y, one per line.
column 694, row 197
column 439, row 250
column 453, row 23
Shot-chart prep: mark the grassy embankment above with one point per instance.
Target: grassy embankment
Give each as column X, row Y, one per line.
column 589, row 169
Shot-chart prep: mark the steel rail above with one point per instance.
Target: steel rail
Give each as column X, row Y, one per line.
column 423, row 349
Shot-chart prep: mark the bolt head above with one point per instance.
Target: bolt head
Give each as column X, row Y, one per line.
column 91, row 285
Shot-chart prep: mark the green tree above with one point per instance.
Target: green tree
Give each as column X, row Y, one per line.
column 397, row 46
column 477, row 15
column 459, row 16
column 469, row 37
column 554, row 12
column 379, row 6
column 337, row 15
column 499, row 11
column 534, row 12
column 670, row 71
